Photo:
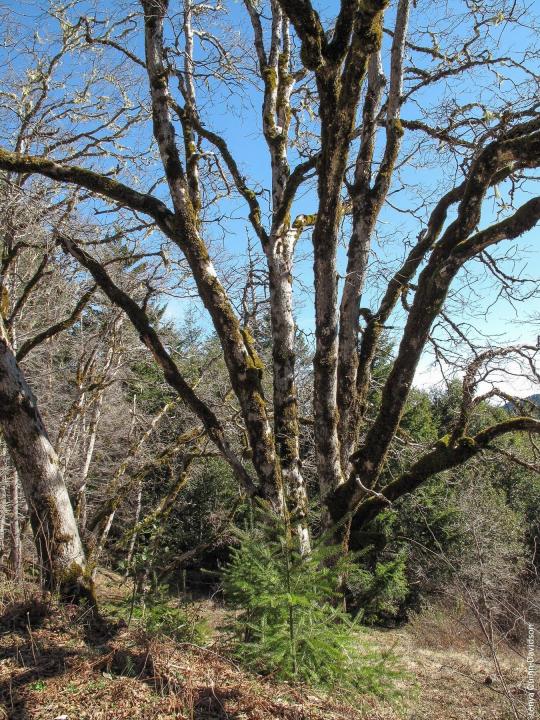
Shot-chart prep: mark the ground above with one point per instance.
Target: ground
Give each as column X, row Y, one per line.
column 56, row 665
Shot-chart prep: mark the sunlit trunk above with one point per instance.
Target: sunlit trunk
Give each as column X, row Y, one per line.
column 56, row 535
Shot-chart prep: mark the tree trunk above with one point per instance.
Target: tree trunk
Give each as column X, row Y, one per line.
column 80, row 505
column 279, row 250
column 15, row 553
column 367, row 198
column 244, row 365
column 58, row 544
column 3, row 513
column 133, row 540
column 285, row 397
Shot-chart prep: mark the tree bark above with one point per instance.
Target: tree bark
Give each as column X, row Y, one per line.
column 244, row 365
column 80, row 506
column 367, row 201
column 458, row 243
column 3, row 507
column 279, row 251
column 15, row 552
column 56, row 535
column 133, row 539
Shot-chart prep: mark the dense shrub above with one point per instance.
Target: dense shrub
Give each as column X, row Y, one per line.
column 291, row 622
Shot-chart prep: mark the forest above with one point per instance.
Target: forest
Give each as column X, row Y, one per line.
column 269, row 343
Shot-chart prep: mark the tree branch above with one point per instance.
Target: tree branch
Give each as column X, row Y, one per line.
column 30, row 285
column 59, row 327
column 524, row 219
column 95, row 182
column 238, row 179
column 150, row 338
column 442, row 457
column 309, row 28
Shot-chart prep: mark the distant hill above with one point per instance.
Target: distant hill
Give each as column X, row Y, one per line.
column 535, row 399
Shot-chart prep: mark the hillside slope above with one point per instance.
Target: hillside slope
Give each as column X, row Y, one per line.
column 55, row 666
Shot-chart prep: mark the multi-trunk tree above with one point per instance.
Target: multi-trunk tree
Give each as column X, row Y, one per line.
column 366, row 117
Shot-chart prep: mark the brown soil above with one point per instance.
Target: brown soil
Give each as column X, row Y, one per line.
column 57, row 664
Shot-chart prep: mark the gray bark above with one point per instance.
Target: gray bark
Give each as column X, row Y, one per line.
column 133, row 539
column 367, row 199
column 56, row 535
column 243, row 364
column 81, row 508
column 279, row 252
column 3, row 509
column 15, row 552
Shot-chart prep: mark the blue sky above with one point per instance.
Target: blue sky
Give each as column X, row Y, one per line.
column 239, row 121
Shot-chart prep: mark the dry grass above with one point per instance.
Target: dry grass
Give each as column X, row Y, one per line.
column 55, row 663
column 454, row 670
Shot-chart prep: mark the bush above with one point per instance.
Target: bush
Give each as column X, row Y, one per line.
column 183, row 623
column 159, row 615
column 378, row 595
column 291, row 622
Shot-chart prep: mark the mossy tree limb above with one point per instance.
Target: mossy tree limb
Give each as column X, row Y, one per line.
column 446, row 454
column 459, row 242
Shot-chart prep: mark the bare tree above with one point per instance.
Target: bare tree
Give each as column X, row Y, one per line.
column 357, row 149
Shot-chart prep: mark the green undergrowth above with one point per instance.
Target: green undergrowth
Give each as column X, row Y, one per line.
column 290, row 623
column 158, row 615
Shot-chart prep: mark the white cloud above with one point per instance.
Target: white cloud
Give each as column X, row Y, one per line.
column 511, row 380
